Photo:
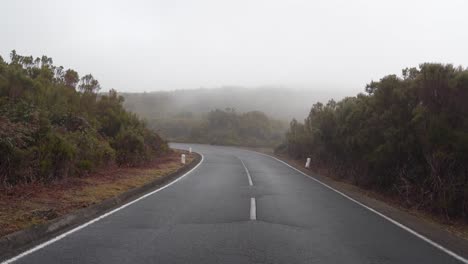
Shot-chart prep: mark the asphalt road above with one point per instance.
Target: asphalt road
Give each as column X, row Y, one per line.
column 214, row 215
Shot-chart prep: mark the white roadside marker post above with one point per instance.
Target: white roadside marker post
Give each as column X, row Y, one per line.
column 307, row 165
column 182, row 159
column 190, row 150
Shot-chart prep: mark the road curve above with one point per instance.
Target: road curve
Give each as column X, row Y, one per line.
column 241, row 207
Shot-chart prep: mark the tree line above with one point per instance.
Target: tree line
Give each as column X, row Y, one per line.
column 406, row 136
column 222, row 127
column 54, row 124
column 227, row 127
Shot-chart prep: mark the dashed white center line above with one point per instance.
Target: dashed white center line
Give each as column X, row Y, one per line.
column 253, row 209
column 247, row 172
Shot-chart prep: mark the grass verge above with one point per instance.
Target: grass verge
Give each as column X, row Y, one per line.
column 24, row 206
column 457, row 227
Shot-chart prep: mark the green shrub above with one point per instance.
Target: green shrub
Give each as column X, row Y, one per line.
column 130, row 148
column 406, row 137
column 56, row 156
column 49, row 130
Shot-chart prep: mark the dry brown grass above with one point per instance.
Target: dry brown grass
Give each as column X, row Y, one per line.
column 28, row 205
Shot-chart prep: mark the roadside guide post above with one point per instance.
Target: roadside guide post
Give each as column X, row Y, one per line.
column 307, row 165
column 182, row 159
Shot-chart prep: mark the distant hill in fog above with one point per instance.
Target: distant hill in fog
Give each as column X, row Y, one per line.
column 277, row 102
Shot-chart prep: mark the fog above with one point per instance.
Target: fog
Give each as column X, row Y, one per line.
column 273, row 101
column 138, row 45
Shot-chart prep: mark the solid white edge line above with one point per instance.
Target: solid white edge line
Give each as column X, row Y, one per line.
column 57, row 238
column 253, row 209
column 402, row 226
column 247, row 171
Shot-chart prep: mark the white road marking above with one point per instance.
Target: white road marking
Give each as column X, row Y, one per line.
column 247, row 172
column 253, row 209
column 57, row 238
column 402, row 226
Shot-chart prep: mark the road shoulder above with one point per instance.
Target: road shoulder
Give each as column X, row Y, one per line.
column 445, row 235
column 19, row 241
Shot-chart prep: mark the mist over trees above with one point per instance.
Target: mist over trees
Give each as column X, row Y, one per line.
column 273, row 101
column 227, row 127
column 53, row 124
column 226, row 116
column 222, row 127
column 406, row 136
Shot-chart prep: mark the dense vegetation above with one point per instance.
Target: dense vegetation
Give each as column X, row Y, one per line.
column 53, row 124
column 406, row 136
column 222, row 127
column 230, row 128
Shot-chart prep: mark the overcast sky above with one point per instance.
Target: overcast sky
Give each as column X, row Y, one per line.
column 143, row 45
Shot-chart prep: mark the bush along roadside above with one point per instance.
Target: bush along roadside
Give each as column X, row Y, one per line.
column 406, row 137
column 55, row 125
